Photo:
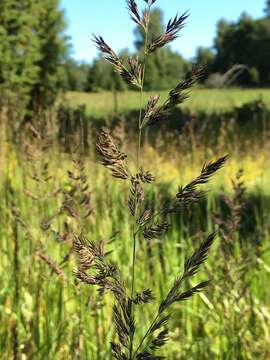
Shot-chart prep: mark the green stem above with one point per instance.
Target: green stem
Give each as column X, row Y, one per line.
column 16, row 272
column 138, row 161
column 138, row 167
column 133, row 264
column 140, row 116
column 146, row 334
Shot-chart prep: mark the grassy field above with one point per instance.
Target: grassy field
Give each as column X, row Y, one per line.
column 48, row 314
column 100, row 104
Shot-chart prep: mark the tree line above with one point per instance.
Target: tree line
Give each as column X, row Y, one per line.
column 35, row 61
column 33, row 48
column 245, row 42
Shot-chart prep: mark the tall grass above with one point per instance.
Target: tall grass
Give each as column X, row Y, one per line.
column 149, row 223
column 53, row 312
column 55, row 204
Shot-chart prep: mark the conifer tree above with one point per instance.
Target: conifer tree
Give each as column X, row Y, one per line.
column 52, row 50
column 32, row 47
column 19, row 48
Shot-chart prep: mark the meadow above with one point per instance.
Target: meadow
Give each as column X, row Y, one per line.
column 48, row 314
column 219, row 100
column 133, row 226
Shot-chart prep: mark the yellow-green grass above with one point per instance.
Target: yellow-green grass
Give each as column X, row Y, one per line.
column 103, row 103
column 58, row 319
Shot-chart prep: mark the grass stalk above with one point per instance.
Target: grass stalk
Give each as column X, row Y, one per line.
column 94, row 268
column 139, row 152
column 135, row 232
column 16, row 271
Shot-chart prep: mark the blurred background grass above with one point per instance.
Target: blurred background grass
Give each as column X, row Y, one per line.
column 208, row 100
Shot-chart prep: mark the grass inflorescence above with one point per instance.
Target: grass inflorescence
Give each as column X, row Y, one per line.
column 95, row 268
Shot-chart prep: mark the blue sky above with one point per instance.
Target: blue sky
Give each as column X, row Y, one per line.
column 109, row 18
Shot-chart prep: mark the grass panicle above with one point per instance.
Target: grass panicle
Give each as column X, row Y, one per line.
column 132, row 76
column 190, row 192
column 173, row 28
column 111, row 156
column 94, row 266
column 154, row 113
column 141, row 20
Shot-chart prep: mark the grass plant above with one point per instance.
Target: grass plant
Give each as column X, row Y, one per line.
column 130, row 233
column 149, row 223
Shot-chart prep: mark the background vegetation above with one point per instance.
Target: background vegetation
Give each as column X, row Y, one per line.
column 51, row 108
column 244, row 42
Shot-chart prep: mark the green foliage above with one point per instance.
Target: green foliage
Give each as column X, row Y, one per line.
column 254, row 76
column 74, row 75
column 102, row 76
column 34, row 65
column 32, row 47
column 267, row 8
column 52, row 50
column 246, row 42
column 19, row 48
column 206, row 57
column 164, row 68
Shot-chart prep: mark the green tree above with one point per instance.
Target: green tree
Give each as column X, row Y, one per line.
column 164, row 69
column 19, row 49
column 32, row 47
column 246, row 42
column 102, row 77
column 74, row 75
column 267, row 8
column 205, row 57
column 52, row 53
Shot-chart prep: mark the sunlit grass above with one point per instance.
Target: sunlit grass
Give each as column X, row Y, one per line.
column 103, row 103
column 54, row 313
column 57, row 312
